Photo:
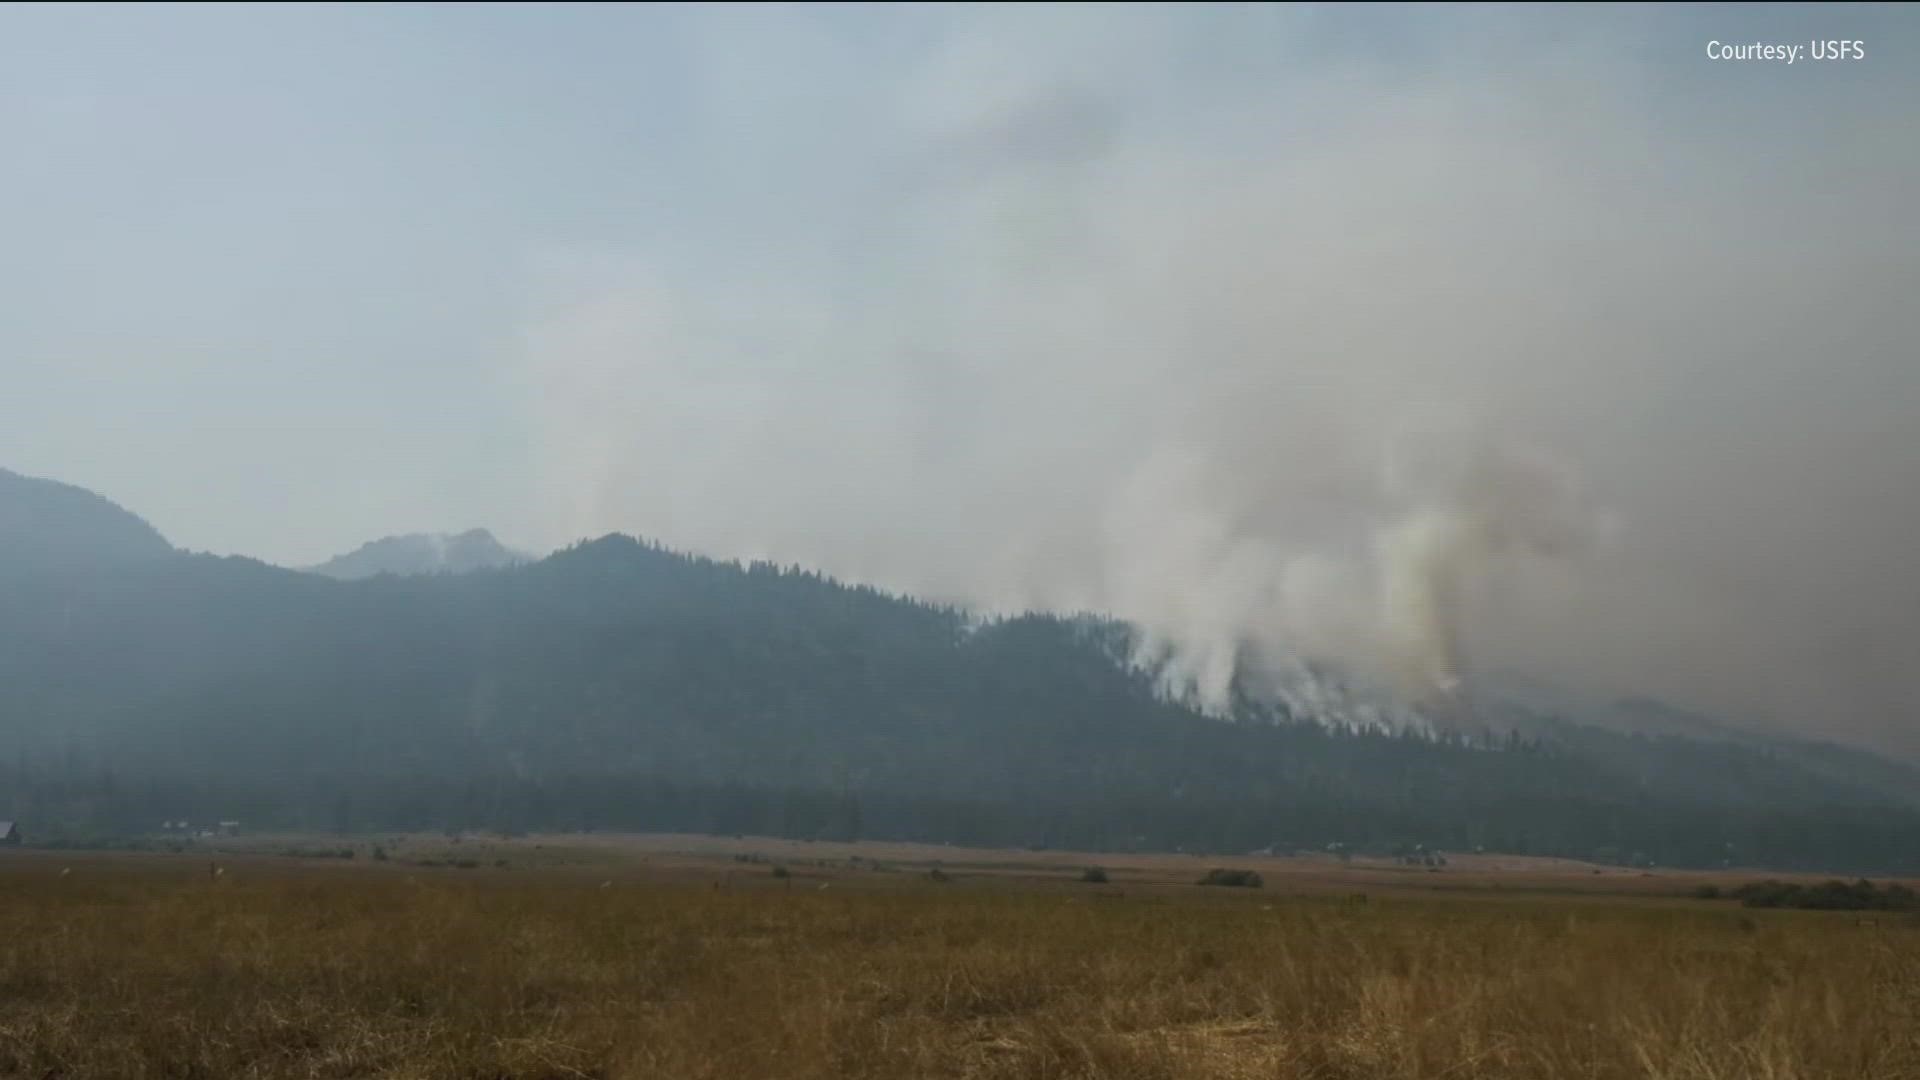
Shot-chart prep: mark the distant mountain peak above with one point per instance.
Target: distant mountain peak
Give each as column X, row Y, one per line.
column 422, row 553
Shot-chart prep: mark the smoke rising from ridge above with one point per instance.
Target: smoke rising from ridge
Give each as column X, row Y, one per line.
column 1084, row 318
column 1166, row 312
column 1471, row 504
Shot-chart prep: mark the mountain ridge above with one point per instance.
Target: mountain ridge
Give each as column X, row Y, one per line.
column 50, row 527
column 421, row 553
column 620, row 683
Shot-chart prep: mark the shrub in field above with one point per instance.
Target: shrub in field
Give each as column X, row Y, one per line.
column 317, row 853
column 1862, row 895
column 781, row 871
column 939, row 875
column 1246, row 879
column 1094, row 875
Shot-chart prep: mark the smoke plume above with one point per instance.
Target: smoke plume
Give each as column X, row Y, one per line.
column 1470, row 505
column 1283, row 358
column 1298, row 336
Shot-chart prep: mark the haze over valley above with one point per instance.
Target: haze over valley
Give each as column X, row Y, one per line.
column 977, row 542
column 617, row 684
column 1010, row 389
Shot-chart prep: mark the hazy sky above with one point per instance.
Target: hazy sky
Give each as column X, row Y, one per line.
column 1114, row 308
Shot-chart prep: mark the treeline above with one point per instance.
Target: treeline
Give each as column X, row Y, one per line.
column 1861, row 895
column 618, row 685
column 97, row 806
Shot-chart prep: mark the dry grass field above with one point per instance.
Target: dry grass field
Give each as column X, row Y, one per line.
column 663, row 957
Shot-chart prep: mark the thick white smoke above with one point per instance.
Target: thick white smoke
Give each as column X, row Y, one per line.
column 1270, row 360
column 1455, row 509
column 1470, row 505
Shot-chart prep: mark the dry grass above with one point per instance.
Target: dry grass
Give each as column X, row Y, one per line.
column 145, row 967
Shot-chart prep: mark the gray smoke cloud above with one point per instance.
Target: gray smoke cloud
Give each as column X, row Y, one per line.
column 1562, row 354
column 1471, row 505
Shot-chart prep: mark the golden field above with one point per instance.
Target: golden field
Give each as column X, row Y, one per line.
column 671, row 957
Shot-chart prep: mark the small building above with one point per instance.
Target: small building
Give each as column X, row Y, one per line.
column 9, row 832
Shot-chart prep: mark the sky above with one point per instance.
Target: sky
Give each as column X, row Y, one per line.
column 1440, row 340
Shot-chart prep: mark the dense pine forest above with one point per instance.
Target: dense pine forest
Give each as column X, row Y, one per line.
column 620, row 685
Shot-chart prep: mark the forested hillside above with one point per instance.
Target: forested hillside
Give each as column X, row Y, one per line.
column 47, row 527
column 619, row 685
